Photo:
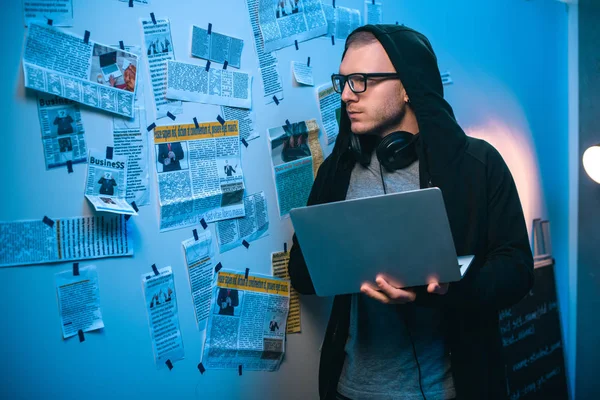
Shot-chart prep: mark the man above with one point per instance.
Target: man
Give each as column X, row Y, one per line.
column 169, row 155
column 107, row 184
column 227, row 300
column 229, row 170
column 441, row 341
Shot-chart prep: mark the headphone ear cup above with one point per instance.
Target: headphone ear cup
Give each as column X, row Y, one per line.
column 397, row 150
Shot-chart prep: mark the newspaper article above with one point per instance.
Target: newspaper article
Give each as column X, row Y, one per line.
column 267, row 62
column 303, row 73
column 373, row 14
column 158, row 46
column 106, row 183
column 247, row 322
column 216, row 47
column 341, row 21
column 41, row 11
column 67, row 239
column 78, row 301
column 138, row 2
column 282, row 22
column 246, row 121
column 279, row 264
column 163, row 317
column 199, row 173
column 64, row 65
column 223, row 87
column 198, row 254
column 330, row 105
column 296, row 156
column 130, row 139
column 63, row 136
column 253, row 226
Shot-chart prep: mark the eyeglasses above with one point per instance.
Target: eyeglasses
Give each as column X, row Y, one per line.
column 358, row 81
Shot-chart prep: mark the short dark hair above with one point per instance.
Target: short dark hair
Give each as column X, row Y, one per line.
column 360, row 38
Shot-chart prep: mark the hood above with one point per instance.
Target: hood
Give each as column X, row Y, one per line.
column 441, row 138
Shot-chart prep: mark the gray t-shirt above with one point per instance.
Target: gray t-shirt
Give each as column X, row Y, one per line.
column 380, row 363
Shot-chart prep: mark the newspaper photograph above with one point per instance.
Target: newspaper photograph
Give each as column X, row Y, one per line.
column 78, row 301
column 282, row 22
column 330, row 106
column 64, row 65
column 373, row 13
column 199, row 173
column 232, row 232
column 267, row 62
column 198, row 258
column 60, row 12
column 130, row 139
column 246, row 121
column 30, row 242
column 158, row 46
column 63, row 136
column 279, row 264
column 296, row 156
column 163, row 316
column 341, row 21
column 106, row 183
column 223, row 87
column 216, row 47
column 303, row 73
column 247, row 322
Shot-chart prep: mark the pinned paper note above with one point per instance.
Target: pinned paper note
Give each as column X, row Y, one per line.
column 303, row 73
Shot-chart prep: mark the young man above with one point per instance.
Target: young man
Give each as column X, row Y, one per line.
column 441, row 341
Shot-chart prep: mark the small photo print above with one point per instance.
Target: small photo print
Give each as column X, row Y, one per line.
column 171, row 156
column 65, row 144
column 286, row 8
column 228, row 168
column 106, row 182
column 158, row 44
column 114, row 68
column 228, row 302
column 289, row 143
column 162, row 296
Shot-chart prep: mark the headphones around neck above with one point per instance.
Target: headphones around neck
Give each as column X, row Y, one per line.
column 395, row 151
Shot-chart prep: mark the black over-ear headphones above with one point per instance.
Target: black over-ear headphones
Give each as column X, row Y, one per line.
column 395, row 151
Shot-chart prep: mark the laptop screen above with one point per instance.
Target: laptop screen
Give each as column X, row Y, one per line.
column 108, row 59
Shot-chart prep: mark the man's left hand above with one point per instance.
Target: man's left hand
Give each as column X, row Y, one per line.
column 438, row 288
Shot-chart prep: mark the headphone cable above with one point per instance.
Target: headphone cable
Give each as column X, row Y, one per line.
column 415, row 354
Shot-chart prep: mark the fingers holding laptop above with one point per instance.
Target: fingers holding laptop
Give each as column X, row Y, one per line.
column 438, row 288
column 386, row 293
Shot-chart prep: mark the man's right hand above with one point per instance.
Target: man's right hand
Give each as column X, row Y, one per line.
column 166, row 161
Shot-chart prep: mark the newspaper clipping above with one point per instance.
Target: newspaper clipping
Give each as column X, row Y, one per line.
column 130, row 139
column 68, row 239
column 232, row 232
column 63, row 135
column 198, row 253
column 246, row 120
column 330, row 105
column 279, row 263
column 267, row 62
column 60, row 12
column 216, row 47
column 65, row 65
column 198, row 170
column 78, row 301
column 159, row 49
column 163, row 317
column 282, row 22
column 303, row 73
column 296, row 156
column 138, row 2
column 373, row 12
column 107, row 183
column 223, row 87
column 341, row 21
column 247, row 322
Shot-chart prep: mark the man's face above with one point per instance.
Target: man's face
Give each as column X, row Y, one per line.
column 107, row 175
column 381, row 108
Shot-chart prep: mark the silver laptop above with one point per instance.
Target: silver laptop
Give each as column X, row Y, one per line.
column 404, row 236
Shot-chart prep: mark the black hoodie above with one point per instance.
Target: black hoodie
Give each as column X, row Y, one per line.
column 485, row 217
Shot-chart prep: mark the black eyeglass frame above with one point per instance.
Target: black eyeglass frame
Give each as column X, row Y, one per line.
column 364, row 76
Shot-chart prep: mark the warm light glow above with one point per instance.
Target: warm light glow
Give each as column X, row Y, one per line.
column 591, row 162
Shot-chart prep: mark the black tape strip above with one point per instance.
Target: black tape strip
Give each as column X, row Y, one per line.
column 203, row 223
column 153, row 19
column 48, row 221
column 49, row 22
column 207, row 66
column 220, row 119
column 127, row 216
column 285, row 247
column 75, row 269
column 86, row 37
column 169, row 364
column 196, row 123
column 245, row 244
column 218, row 267
column 69, row 166
column 276, row 100
column 109, row 152
column 246, row 274
column 195, row 232
column 151, row 126
column 201, row 369
column 209, row 28
column 225, row 64
column 130, row 3
column 240, row 370
column 170, row 115
column 396, row 22
column 154, row 269
column 81, row 337
column 134, row 206
column 333, row 3
column 308, row 62
column 244, row 142
column 373, row 2
column 296, row 44
column 332, row 40
column 121, row 45
column 287, row 123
